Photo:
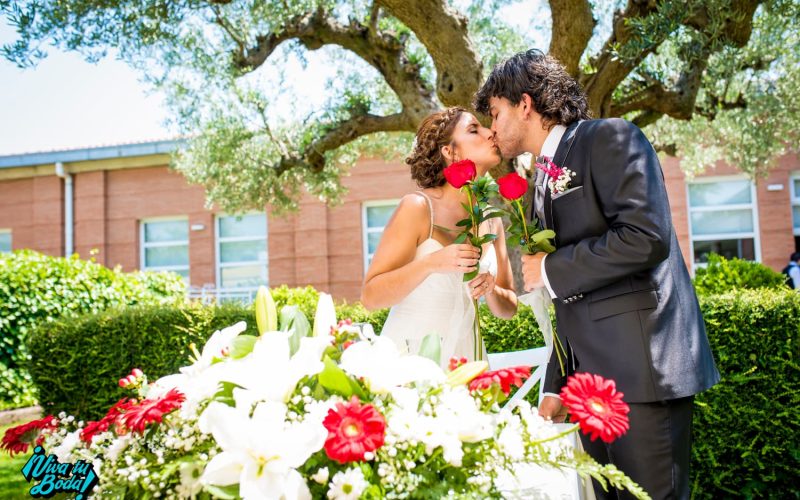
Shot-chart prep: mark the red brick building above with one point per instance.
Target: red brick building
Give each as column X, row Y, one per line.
column 123, row 204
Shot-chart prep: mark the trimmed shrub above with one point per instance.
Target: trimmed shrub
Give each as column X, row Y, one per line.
column 723, row 275
column 745, row 428
column 36, row 289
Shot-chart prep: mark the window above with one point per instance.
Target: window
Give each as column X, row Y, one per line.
column 165, row 246
column 5, row 240
column 722, row 219
column 242, row 251
column 375, row 216
column 795, row 191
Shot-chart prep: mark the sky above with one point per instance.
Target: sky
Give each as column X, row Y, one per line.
column 66, row 103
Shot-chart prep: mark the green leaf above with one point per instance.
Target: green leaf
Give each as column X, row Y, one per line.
column 431, row 347
column 461, row 238
column 335, row 380
column 292, row 318
column 486, row 238
column 543, row 235
column 464, row 223
column 242, row 345
column 230, row 492
column 225, row 393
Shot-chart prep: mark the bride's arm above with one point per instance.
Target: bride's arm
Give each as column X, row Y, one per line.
column 394, row 273
column 502, row 301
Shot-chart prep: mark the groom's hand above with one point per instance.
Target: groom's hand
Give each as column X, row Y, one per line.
column 532, row 271
column 552, row 409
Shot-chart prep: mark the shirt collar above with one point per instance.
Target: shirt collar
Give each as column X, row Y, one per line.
column 553, row 140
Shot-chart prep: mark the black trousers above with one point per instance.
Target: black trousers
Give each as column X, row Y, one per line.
column 655, row 452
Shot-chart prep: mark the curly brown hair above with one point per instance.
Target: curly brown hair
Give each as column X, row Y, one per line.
column 555, row 94
column 426, row 160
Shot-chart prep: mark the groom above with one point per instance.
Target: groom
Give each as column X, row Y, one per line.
column 625, row 305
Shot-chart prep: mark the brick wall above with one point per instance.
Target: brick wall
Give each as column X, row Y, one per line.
column 319, row 246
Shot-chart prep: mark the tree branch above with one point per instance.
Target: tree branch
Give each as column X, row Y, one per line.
column 443, row 31
column 610, row 70
column 656, row 100
column 573, row 25
column 342, row 133
column 384, row 52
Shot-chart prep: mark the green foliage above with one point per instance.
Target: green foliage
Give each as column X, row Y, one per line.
column 745, row 428
column 723, row 275
column 37, row 289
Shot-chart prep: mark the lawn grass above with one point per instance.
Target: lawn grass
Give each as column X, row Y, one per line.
column 12, row 484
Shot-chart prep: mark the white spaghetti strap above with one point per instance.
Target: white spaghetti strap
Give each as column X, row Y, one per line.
column 430, row 209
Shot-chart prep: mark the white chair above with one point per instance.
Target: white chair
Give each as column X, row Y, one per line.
column 535, row 358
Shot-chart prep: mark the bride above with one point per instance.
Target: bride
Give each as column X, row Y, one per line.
column 417, row 270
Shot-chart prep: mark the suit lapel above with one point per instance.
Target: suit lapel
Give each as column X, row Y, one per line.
column 561, row 156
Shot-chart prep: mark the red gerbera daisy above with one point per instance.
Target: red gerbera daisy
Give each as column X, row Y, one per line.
column 505, row 378
column 137, row 417
column 353, row 429
column 18, row 439
column 113, row 417
column 597, row 406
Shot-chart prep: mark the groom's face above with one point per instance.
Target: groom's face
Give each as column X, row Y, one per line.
column 508, row 126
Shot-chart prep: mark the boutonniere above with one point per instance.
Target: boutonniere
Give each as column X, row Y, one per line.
column 558, row 178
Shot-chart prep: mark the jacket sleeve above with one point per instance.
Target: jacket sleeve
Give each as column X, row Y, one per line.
column 629, row 187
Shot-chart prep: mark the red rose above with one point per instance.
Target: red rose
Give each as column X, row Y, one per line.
column 139, row 416
column 18, row 439
column 460, row 173
column 505, row 378
column 512, row 186
column 353, row 429
column 597, row 406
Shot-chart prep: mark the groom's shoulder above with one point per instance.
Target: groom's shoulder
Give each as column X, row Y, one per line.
column 611, row 126
column 610, row 131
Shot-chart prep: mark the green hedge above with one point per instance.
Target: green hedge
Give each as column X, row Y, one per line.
column 746, row 427
column 156, row 339
column 37, row 289
column 722, row 275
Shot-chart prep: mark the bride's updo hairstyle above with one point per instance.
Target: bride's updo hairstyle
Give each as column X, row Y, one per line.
column 426, row 160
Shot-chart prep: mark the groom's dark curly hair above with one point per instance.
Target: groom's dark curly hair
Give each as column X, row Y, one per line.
column 555, row 94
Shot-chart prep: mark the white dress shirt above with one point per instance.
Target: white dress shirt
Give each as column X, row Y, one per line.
column 549, row 150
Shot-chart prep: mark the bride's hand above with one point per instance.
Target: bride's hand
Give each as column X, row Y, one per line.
column 461, row 258
column 483, row 284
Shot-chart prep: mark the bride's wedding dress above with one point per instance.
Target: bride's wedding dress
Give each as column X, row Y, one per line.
column 441, row 304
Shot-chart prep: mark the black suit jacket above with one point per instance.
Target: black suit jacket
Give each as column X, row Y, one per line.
column 625, row 306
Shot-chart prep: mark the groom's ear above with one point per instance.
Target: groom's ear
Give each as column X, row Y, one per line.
column 526, row 106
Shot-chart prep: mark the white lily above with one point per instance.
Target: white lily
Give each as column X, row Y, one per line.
column 325, row 317
column 217, row 346
column 261, row 453
column 384, row 368
column 270, row 372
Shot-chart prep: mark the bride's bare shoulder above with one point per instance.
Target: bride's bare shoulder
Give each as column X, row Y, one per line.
column 412, row 204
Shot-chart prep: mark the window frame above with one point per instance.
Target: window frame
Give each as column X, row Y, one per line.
column 218, row 264
column 794, row 199
column 143, row 245
column 753, row 206
column 366, row 230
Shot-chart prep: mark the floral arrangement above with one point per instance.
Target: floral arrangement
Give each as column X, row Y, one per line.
column 332, row 412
